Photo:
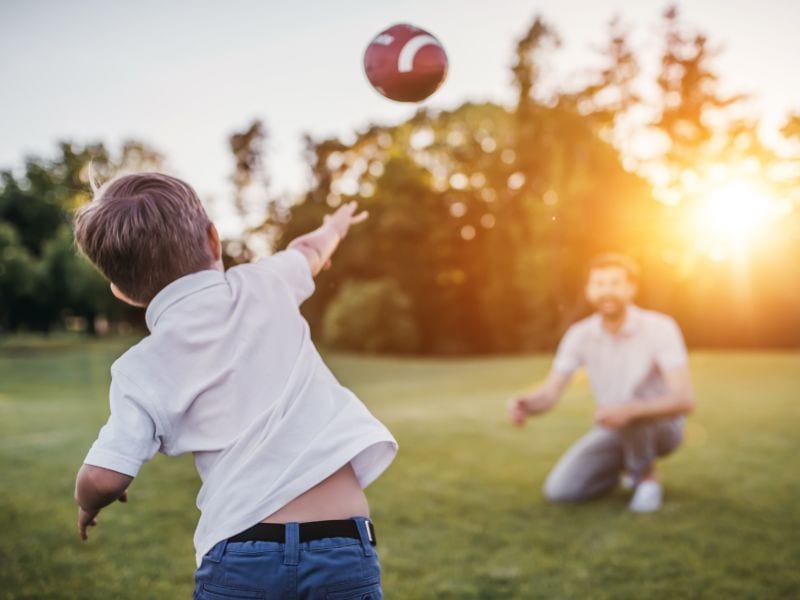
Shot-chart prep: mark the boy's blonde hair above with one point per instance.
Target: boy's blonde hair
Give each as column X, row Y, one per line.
column 143, row 232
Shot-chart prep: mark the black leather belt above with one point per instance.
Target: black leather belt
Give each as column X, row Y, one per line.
column 313, row 530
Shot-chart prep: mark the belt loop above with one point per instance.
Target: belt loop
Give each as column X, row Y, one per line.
column 291, row 550
column 216, row 552
column 367, row 534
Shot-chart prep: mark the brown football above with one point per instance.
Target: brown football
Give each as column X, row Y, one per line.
column 405, row 63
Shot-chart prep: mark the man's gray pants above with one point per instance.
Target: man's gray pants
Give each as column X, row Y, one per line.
column 593, row 465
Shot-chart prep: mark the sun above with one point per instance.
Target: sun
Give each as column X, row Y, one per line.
column 737, row 210
column 732, row 215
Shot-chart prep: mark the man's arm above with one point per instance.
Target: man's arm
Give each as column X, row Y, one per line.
column 678, row 401
column 540, row 400
column 95, row 488
column 319, row 245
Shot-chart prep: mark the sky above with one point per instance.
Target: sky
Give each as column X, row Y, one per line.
column 182, row 76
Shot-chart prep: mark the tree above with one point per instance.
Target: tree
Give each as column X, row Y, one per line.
column 42, row 278
column 713, row 144
column 371, row 316
column 468, row 232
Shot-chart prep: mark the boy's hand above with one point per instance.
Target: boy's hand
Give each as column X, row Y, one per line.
column 88, row 517
column 344, row 217
column 319, row 245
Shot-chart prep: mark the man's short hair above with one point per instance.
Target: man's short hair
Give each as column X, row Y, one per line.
column 615, row 259
column 143, row 232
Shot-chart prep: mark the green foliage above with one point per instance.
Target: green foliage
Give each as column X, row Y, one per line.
column 42, row 277
column 471, row 212
column 459, row 514
column 371, row 316
column 20, row 277
column 540, row 37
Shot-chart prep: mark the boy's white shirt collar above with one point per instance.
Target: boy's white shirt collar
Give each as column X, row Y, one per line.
column 178, row 290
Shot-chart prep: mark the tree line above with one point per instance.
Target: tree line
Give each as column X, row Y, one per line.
column 483, row 218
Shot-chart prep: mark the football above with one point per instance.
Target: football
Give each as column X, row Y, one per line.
column 405, row 63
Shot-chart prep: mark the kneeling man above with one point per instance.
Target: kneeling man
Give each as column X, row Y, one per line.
column 637, row 365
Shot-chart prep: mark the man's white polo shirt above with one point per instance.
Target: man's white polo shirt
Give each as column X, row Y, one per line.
column 627, row 366
column 230, row 374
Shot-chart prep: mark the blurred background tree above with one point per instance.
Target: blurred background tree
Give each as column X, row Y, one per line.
column 44, row 283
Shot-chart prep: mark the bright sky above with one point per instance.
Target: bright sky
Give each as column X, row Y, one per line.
column 183, row 75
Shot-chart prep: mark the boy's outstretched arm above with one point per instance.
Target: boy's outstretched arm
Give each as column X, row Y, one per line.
column 319, row 245
column 95, row 488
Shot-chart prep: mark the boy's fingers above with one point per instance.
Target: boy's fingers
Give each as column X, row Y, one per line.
column 85, row 520
column 82, row 529
column 85, row 528
column 360, row 217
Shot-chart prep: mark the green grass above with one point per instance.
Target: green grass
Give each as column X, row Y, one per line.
column 459, row 514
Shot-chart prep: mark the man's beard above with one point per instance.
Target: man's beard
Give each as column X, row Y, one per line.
column 610, row 307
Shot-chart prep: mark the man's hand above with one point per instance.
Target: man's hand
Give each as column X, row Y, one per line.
column 678, row 401
column 522, row 406
column 540, row 400
column 517, row 412
column 614, row 416
column 87, row 517
column 344, row 217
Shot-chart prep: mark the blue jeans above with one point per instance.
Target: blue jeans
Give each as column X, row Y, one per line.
column 327, row 569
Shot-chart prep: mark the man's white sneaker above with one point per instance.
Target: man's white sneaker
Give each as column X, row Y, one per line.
column 647, row 497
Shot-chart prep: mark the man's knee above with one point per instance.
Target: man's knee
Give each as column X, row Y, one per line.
column 562, row 490
column 669, row 438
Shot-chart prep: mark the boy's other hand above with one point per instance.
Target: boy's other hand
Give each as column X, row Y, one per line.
column 344, row 217
column 88, row 517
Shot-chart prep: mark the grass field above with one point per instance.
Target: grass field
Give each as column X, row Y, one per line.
column 459, row 514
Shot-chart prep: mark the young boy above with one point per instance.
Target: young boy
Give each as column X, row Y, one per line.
column 230, row 374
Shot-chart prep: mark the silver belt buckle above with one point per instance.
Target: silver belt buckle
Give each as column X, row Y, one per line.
column 370, row 532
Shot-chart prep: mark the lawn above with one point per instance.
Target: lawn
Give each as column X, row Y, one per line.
column 459, row 514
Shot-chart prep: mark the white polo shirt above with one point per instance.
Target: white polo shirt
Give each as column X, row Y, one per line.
column 230, row 374
column 628, row 366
